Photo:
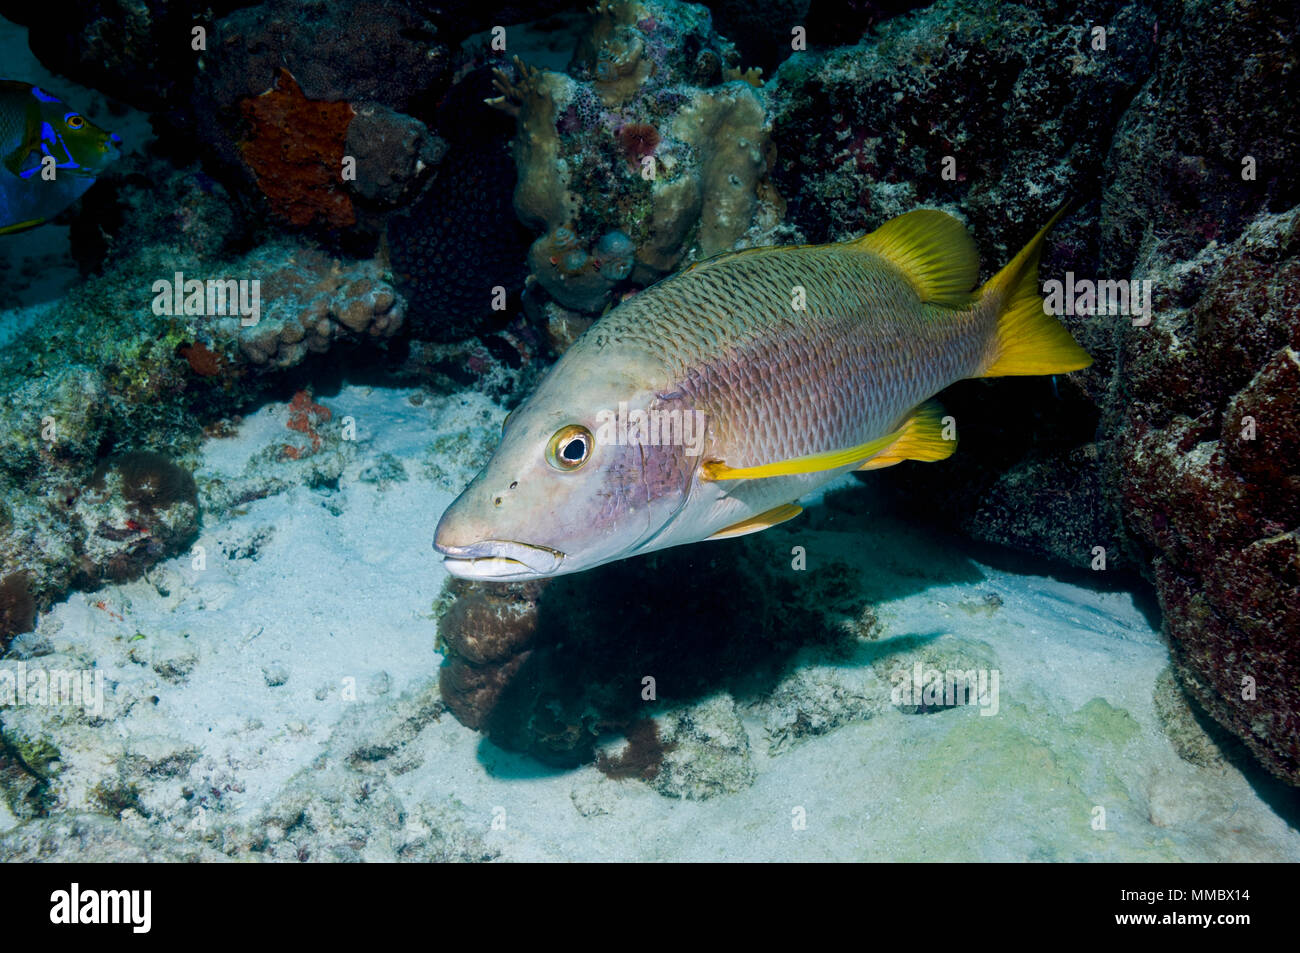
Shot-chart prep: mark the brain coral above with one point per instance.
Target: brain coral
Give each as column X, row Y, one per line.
column 460, row 239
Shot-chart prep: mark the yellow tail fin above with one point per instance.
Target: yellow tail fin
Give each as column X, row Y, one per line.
column 1029, row 341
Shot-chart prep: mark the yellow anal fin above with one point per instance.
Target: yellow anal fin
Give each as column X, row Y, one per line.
column 21, row 226
column 755, row 524
column 933, row 250
column 921, row 438
column 1029, row 341
column 815, row 463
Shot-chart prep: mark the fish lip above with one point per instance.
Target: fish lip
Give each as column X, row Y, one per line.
column 500, row 559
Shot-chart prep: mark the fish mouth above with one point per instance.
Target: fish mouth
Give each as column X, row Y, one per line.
column 500, row 559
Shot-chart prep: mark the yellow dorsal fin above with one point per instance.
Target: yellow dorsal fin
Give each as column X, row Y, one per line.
column 933, row 250
column 1029, row 341
column 755, row 524
column 814, row 463
column 921, row 438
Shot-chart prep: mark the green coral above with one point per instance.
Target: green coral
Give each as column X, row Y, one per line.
column 27, row 766
column 1098, row 719
column 116, row 798
column 39, row 755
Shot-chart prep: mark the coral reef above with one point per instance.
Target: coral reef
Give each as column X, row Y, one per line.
column 1204, row 422
column 701, row 751
column 763, row 33
column 305, row 415
column 105, row 373
column 139, row 51
column 503, row 366
column 1013, row 94
column 279, row 87
column 17, row 607
column 1219, row 95
column 396, row 61
column 295, row 147
column 145, row 197
column 705, row 751
column 137, row 509
column 1201, row 411
column 642, row 755
column 812, row 701
column 459, row 240
column 1066, row 525
column 639, row 161
column 1179, row 721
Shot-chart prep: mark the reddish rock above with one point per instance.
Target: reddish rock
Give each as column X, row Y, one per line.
column 1207, row 423
column 295, row 148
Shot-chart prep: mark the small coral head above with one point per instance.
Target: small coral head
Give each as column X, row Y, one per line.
column 638, row 139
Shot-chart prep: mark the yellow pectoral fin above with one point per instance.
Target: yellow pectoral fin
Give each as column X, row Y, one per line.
column 816, row 463
column 755, row 524
column 921, row 438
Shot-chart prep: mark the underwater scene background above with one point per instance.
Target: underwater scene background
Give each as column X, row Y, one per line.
column 274, row 275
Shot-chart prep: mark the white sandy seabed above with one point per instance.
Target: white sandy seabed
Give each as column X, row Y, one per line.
column 228, row 729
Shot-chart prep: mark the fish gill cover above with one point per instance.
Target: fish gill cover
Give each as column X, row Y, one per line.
column 657, row 390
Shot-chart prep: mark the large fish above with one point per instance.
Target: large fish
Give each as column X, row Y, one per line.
column 49, row 155
column 800, row 363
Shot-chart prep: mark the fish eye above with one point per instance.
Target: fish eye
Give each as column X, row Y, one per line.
column 570, row 447
column 74, row 121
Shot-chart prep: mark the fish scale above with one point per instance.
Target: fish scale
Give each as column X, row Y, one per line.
column 778, row 383
column 13, row 117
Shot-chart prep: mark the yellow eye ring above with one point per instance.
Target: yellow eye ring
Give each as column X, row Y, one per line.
column 570, row 447
column 75, row 122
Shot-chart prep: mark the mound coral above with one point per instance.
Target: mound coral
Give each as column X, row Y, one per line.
column 639, row 142
column 138, row 508
column 485, row 632
column 312, row 301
